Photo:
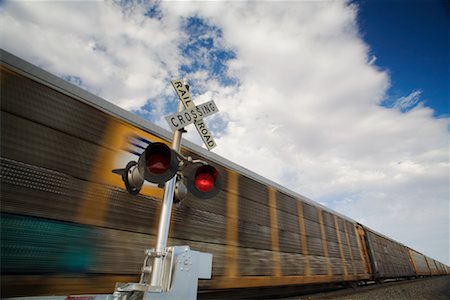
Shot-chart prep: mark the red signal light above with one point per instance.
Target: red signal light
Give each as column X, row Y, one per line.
column 205, row 177
column 205, row 182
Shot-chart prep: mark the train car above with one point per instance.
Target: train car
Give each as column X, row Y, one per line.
column 68, row 226
column 389, row 258
column 420, row 264
column 433, row 269
column 441, row 268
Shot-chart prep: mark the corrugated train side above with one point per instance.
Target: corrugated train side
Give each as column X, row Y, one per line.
column 69, row 227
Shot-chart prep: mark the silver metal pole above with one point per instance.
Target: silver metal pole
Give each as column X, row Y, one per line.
column 166, row 210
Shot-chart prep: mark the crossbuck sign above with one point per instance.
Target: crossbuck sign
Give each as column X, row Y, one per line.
column 192, row 114
column 182, row 118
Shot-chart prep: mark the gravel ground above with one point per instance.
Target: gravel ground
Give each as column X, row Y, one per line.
column 434, row 288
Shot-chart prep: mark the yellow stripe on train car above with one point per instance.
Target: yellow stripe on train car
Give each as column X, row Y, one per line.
column 121, row 139
column 121, row 143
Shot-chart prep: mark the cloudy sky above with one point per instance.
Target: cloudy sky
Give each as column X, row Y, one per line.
column 333, row 99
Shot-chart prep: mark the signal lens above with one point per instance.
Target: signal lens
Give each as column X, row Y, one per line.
column 158, row 164
column 158, row 161
column 205, row 178
column 204, row 182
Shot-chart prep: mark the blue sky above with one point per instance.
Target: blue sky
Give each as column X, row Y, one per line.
column 411, row 40
column 202, row 52
column 343, row 102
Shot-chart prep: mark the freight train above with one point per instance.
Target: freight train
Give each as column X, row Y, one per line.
column 68, row 225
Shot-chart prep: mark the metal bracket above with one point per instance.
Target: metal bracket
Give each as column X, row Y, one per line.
column 185, row 160
column 181, row 269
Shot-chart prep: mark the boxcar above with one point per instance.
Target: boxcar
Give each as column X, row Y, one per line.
column 390, row 259
column 420, row 264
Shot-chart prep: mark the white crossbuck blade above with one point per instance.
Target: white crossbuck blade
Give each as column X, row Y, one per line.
column 185, row 98
column 188, row 116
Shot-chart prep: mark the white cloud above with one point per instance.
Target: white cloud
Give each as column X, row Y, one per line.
column 406, row 102
column 123, row 56
column 305, row 113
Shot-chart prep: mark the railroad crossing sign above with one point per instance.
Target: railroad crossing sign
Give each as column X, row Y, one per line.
column 195, row 113
column 180, row 119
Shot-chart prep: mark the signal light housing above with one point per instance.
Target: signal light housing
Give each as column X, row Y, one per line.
column 158, row 163
column 133, row 180
column 204, row 182
column 180, row 192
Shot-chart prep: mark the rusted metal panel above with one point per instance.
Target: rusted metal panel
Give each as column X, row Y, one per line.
column 253, row 190
column 318, row 265
column 26, row 189
column 255, row 262
column 254, row 235
column 340, row 246
column 292, row 264
column 324, row 243
column 303, row 238
column 310, row 212
column 328, row 219
column 312, row 228
column 391, row 257
column 364, row 250
column 330, row 233
column 441, row 268
column 41, row 104
column 419, row 262
column 198, row 225
column 348, row 255
column 247, row 209
column 432, row 266
column 353, row 239
column 341, row 224
column 38, row 145
column 287, row 221
column 315, row 247
column 139, row 217
column 359, row 263
column 333, row 249
column 337, row 267
column 286, row 203
column 290, row 242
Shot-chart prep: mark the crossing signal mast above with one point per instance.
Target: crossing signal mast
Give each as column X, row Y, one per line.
column 172, row 272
